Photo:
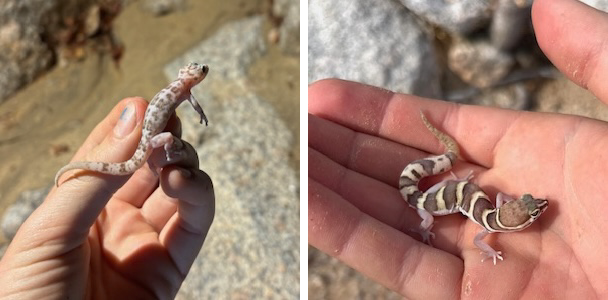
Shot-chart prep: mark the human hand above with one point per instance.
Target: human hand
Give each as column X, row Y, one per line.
column 117, row 237
column 361, row 138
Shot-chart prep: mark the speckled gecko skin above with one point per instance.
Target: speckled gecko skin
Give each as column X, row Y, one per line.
column 460, row 195
column 155, row 119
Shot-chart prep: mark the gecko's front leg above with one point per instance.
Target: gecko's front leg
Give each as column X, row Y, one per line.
column 198, row 109
column 488, row 251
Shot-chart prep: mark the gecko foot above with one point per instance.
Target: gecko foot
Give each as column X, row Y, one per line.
column 491, row 254
column 174, row 150
column 174, row 147
column 469, row 176
column 198, row 109
column 427, row 234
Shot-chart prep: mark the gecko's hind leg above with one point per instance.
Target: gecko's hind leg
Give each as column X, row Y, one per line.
column 174, row 147
column 425, row 226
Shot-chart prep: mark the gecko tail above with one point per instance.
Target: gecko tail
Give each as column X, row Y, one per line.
column 122, row 168
column 446, row 140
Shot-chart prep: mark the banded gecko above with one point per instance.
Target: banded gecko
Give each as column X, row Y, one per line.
column 460, row 195
column 156, row 117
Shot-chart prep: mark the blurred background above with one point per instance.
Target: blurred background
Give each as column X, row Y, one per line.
column 465, row 51
column 65, row 64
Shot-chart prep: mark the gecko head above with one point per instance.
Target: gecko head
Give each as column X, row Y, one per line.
column 193, row 73
column 534, row 206
column 519, row 214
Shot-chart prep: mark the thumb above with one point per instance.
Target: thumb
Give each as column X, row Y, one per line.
column 573, row 35
column 69, row 210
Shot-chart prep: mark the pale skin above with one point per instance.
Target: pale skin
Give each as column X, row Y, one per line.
column 114, row 237
column 361, row 137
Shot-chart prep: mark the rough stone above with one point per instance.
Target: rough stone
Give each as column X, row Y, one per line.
column 252, row 249
column 597, row 4
column 462, row 16
column 514, row 96
column 28, row 31
column 375, row 42
column 19, row 211
column 289, row 32
column 478, row 62
column 162, row 7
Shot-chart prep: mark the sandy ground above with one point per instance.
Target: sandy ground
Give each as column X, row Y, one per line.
column 45, row 123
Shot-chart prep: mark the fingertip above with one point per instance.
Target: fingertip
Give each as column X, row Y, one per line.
column 196, row 198
column 572, row 35
column 187, row 184
column 323, row 91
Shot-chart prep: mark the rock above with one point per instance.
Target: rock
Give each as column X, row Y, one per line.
column 19, row 211
column 375, row 42
column 597, row 4
column 514, row 96
column 162, row 7
column 289, row 32
column 252, row 249
column 243, row 50
column 23, row 55
column 478, row 62
column 462, row 16
column 92, row 20
column 28, row 28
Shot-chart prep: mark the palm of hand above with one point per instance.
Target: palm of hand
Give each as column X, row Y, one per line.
column 355, row 165
column 130, row 254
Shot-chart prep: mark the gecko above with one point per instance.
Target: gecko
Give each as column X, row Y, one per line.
column 157, row 114
column 461, row 195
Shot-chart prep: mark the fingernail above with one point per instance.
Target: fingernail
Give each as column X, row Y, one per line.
column 126, row 122
column 185, row 173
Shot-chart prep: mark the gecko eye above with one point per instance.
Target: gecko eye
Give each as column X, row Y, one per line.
column 535, row 213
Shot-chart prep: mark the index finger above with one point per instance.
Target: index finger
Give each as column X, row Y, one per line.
column 379, row 251
column 396, row 117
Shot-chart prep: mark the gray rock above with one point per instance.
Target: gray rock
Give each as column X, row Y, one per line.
column 478, row 62
column 162, row 7
column 23, row 54
column 19, row 211
column 375, row 42
column 289, row 32
column 597, row 4
column 27, row 29
column 514, row 96
column 229, row 52
column 252, row 249
column 462, row 16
